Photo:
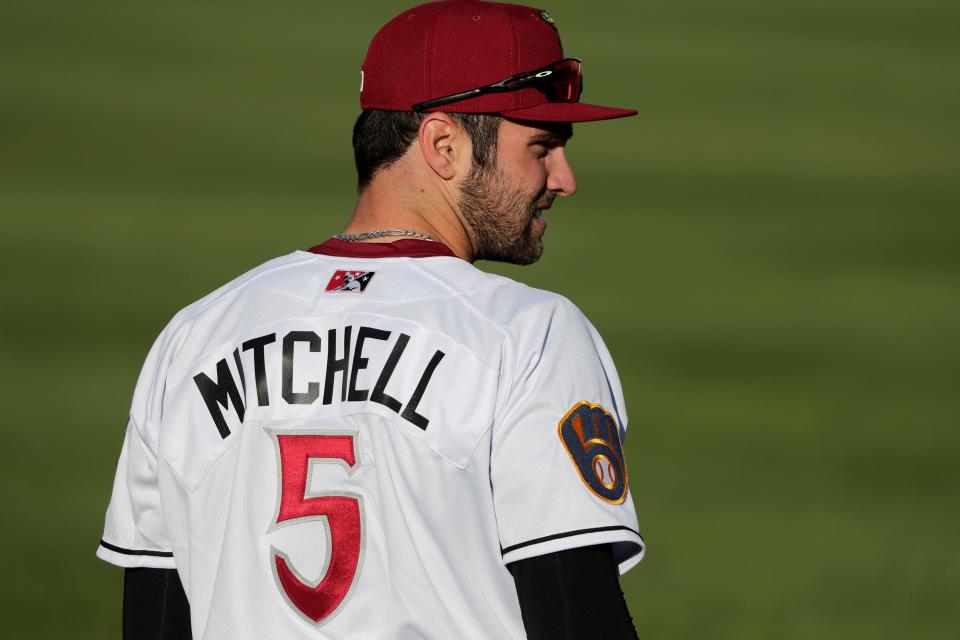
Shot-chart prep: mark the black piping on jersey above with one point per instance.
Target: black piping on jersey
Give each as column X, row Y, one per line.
column 135, row 552
column 568, row 534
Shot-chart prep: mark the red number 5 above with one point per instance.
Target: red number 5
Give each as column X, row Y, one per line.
column 341, row 512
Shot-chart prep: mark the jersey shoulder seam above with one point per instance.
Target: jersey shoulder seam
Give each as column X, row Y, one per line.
column 243, row 281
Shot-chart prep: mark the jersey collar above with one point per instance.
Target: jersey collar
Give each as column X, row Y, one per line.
column 409, row 248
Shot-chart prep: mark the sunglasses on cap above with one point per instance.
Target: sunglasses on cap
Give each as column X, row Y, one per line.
column 561, row 81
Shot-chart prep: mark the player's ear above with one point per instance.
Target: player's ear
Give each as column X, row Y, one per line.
column 444, row 145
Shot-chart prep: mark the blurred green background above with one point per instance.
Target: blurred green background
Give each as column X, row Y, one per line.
column 771, row 251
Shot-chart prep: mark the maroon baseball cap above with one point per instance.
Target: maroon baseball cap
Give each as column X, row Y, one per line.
column 452, row 46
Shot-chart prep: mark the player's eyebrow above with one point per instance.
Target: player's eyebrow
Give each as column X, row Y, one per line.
column 551, row 138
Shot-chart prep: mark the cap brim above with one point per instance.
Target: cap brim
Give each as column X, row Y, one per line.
column 568, row 112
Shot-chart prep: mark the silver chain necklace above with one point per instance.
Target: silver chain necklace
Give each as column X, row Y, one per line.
column 383, row 233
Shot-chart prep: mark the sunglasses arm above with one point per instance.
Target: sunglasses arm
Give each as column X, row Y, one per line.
column 512, row 83
column 439, row 102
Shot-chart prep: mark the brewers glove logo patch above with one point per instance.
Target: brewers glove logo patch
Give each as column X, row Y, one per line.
column 592, row 438
column 350, row 281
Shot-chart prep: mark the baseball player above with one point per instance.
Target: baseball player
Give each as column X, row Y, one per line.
column 372, row 438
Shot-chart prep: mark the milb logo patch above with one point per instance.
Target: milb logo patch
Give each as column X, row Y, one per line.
column 592, row 438
column 350, row 281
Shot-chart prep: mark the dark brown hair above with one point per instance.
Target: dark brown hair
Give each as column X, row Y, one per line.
column 380, row 138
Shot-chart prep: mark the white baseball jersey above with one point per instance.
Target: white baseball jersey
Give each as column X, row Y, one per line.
column 353, row 442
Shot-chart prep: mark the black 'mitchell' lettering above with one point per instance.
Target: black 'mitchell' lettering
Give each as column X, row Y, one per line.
column 313, row 388
column 259, row 370
column 359, row 362
column 243, row 379
column 410, row 411
column 220, row 394
column 334, row 365
column 379, row 394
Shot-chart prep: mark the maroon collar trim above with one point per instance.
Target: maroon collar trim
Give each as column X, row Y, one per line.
column 397, row 249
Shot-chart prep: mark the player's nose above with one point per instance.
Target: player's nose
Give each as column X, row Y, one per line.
column 560, row 178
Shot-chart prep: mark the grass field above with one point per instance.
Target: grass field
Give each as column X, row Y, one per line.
column 771, row 251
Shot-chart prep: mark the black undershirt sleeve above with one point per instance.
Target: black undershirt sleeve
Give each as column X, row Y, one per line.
column 572, row 594
column 154, row 605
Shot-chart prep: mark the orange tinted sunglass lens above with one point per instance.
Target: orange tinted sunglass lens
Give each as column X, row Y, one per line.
column 568, row 84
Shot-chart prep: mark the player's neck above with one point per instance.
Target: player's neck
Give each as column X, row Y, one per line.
column 392, row 203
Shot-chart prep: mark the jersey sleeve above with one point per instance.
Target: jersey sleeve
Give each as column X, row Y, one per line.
column 558, row 472
column 134, row 533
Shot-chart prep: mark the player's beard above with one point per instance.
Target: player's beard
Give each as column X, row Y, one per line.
column 501, row 216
